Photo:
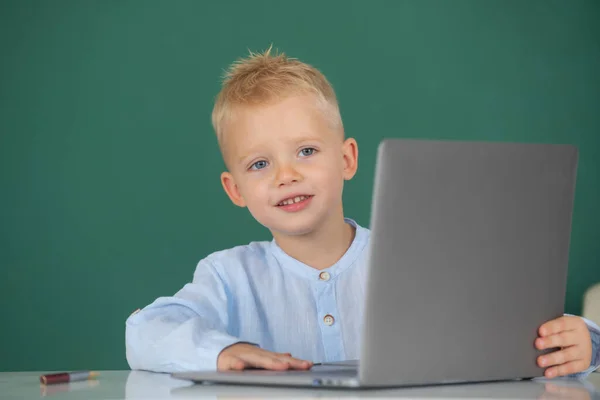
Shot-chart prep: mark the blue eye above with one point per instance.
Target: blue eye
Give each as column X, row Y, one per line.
column 259, row 165
column 309, row 151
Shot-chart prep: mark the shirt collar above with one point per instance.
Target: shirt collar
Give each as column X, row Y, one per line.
column 347, row 260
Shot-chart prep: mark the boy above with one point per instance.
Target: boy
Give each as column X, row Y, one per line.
column 281, row 135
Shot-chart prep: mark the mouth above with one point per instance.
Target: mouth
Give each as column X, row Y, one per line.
column 294, row 200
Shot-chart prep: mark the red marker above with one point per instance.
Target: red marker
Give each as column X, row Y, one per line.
column 67, row 377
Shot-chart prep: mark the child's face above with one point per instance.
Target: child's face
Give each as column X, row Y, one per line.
column 287, row 164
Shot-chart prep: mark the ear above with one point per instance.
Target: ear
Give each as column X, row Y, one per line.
column 232, row 190
column 350, row 155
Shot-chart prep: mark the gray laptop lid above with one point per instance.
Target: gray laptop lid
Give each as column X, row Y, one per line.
column 469, row 253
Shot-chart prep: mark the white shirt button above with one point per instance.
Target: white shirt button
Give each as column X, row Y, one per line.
column 324, row 276
column 328, row 319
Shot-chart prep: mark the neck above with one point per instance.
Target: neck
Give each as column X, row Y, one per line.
column 322, row 247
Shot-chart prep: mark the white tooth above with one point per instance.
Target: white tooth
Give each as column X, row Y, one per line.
column 293, row 200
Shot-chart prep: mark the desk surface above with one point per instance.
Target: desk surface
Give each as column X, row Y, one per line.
column 145, row 385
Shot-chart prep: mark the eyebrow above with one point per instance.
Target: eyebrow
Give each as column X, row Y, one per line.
column 242, row 158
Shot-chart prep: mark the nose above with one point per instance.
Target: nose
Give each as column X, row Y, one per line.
column 286, row 174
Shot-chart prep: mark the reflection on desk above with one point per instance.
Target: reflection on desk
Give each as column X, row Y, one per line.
column 146, row 385
column 142, row 385
column 50, row 390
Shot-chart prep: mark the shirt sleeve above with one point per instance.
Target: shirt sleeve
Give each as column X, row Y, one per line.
column 595, row 336
column 184, row 332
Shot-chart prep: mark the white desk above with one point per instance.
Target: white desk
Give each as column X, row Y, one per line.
column 144, row 385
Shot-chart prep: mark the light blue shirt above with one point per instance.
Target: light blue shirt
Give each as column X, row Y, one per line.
column 259, row 294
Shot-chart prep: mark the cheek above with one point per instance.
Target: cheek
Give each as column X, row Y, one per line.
column 331, row 177
column 336, row 169
column 254, row 190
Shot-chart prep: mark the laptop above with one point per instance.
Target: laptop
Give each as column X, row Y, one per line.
column 467, row 258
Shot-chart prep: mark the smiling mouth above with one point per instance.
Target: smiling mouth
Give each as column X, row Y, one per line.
column 293, row 200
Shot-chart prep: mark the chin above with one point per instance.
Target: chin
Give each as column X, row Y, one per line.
column 293, row 228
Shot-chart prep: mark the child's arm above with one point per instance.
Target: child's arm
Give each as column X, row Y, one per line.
column 189, row 331
column 183, row 332
column 578, row 340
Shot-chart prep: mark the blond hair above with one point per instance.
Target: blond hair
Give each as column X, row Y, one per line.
column 263, row 78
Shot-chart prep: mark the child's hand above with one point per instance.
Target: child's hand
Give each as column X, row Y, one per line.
column 243, row 356
column 572, row 336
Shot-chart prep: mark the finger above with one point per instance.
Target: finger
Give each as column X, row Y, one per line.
column 264, row 359
column 564, row 323
column 294, row 362
column 568, row 368
column 297, row 363
column 236, row 364
column 560, row 357
column 229, row 362
column 561, row 339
